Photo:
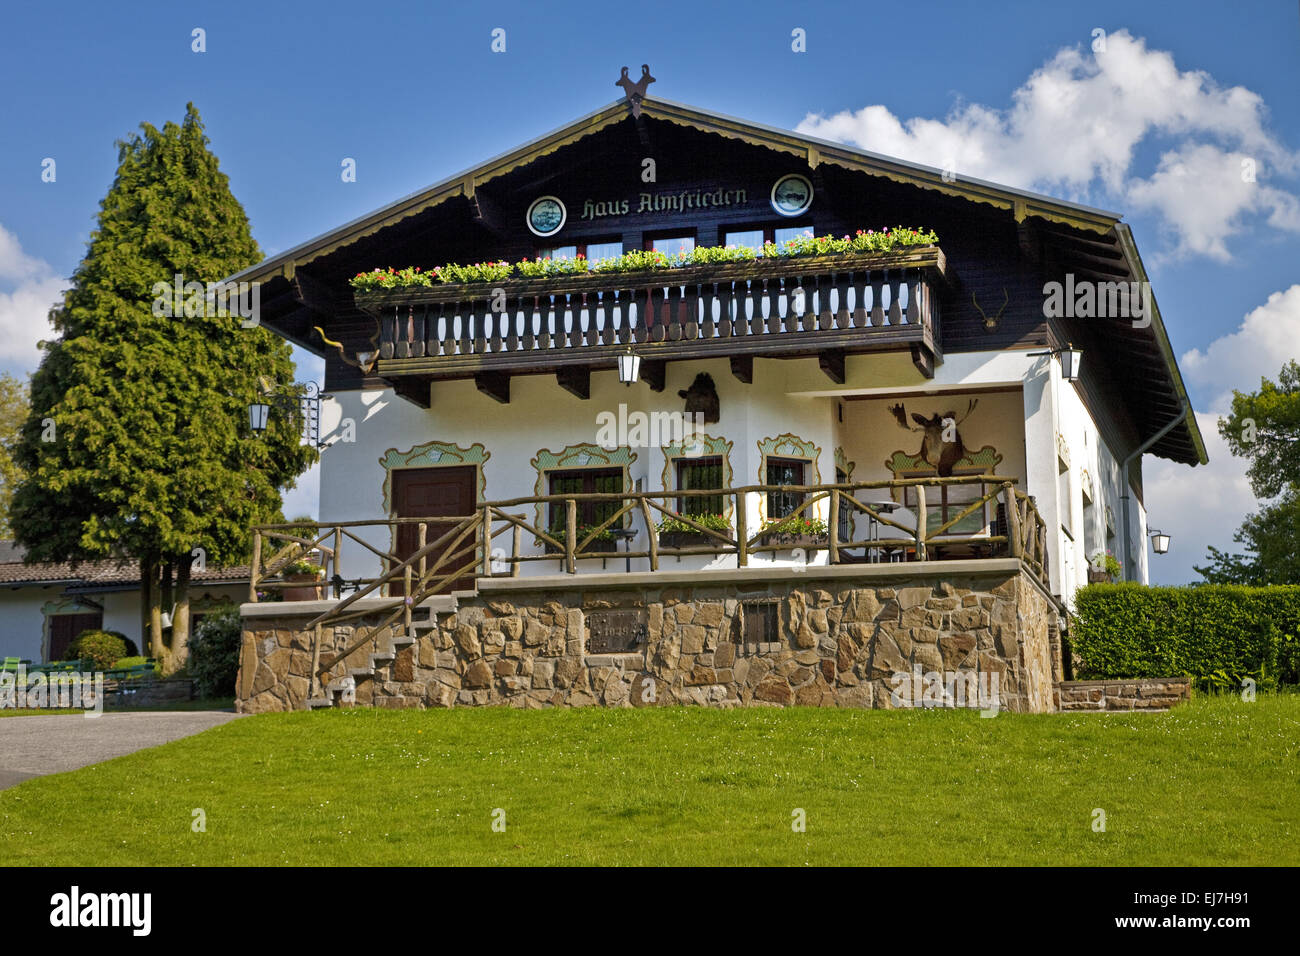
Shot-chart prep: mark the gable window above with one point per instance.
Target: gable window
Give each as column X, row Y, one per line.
column 699, row 474
column 670, row 244
column 584, row 481
column 590, row 251
column 784, row 471
column 754, row 238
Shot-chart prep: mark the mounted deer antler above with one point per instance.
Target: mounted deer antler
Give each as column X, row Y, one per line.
column 991, row 324
column 368, row 364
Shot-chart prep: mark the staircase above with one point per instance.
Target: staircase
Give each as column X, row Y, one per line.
column 343, row 692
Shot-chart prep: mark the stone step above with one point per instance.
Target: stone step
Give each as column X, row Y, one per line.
column 316, row 703
column 402, row 641
column 381, row 657
column 361, row 672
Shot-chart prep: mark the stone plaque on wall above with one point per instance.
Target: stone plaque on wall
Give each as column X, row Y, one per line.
column 619, row 631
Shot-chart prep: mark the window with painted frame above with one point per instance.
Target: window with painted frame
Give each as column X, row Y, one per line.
column 699, row 474
column 785, row 471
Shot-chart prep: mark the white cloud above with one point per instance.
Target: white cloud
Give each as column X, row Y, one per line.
column 1075, row 125
column 1206, row 505
column 1198, row 507
column 24, row 308
column 1267, row 337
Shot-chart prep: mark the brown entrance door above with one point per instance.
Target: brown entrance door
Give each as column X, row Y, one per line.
column 434, row 493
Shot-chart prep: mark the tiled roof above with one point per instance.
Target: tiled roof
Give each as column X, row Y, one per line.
column 106, row 572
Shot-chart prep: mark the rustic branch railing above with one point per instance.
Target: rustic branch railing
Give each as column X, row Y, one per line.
column 453, row 548
column 755, row 305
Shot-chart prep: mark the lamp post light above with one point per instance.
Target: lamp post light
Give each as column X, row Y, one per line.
column 1159, row 541
column 629, row 367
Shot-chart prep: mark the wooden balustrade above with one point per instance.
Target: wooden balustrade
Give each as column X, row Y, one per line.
column 749, row 307
column 451, row 548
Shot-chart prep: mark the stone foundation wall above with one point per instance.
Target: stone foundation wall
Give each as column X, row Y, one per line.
column 1159, row 693
column 838, row 640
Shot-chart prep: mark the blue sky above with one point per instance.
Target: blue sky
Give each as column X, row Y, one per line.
column 1155, row 125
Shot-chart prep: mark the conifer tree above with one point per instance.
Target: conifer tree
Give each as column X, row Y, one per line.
column 138, row 442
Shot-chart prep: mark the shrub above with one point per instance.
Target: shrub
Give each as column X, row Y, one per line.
column 100, row 648
column 214, row 653
column 1216, row 634
column 126, row 662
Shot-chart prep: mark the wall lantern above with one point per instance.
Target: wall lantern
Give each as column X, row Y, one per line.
column 304, row 399
column 1071, row 358
column 1159, row 541
column 629, row 367
column 258, row 413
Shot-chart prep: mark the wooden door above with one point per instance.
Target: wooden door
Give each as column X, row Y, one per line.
column 65, row 627
column 434, row 493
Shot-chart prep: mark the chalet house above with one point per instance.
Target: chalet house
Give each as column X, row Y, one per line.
column 785, row 477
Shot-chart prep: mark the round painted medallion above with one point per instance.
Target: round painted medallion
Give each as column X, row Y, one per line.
column 546, row 216
column 792, row 195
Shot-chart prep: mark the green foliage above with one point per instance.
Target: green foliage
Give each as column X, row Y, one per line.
column 638, row 260
column 303, row 567
column 129, row 662
column 795, row 525
column 14, row 408
column 100, row 648
column 1271, row 537
column 475, row 272
column 391, row 278
column 214, row 653
column 1106, row 561
column 1128, row 630
column 668, row 524
column 153, row 454
column 558, row 266
column 1264, row 427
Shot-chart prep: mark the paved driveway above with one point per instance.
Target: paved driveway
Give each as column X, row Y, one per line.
column 33, row 746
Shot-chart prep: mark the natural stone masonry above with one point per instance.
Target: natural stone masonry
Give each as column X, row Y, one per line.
column 1156, row 693
column 840, row 638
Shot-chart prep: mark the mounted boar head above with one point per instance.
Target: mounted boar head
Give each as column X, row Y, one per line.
column 702, row 398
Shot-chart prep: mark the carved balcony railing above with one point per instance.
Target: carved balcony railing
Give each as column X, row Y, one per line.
column 756, row 307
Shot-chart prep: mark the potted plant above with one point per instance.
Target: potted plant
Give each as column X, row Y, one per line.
column 796, row 531
column 676, row 533
column 603, row 543
column 305, row 573
column 1105, row 568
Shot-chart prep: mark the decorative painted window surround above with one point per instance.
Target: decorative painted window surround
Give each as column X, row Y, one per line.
column 843, row 464
column 786, row 445
column 432, row 454
column 572, row 457
column 704, row 446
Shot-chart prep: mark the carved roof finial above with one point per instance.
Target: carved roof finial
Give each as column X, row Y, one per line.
column 635, row 91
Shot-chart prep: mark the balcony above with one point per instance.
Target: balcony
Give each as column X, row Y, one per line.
column 824, row 306
column 452, row 553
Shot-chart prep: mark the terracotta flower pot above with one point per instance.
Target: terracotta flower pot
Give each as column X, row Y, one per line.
column 304, row 593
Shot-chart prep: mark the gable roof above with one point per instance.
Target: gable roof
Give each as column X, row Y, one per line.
column 1183, row 443
column 1023, row 203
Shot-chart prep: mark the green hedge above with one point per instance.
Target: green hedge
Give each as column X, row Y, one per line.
column 1217, row 634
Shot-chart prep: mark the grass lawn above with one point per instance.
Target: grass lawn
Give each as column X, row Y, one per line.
column 1213, row 782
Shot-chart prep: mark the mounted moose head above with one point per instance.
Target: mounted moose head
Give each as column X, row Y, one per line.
column 936, row 448
column 702, row 398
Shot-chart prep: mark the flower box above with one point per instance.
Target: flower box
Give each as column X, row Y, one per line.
column 809, row 542
column 1098, row 577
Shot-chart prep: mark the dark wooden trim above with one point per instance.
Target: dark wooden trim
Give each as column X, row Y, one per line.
column 832, row 363
column 923, row 359
column 575, row 379
column 494, row 385
column 742, row 366
column 418, row 391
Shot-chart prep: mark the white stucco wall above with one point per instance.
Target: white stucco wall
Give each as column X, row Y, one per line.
column 790, row 396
